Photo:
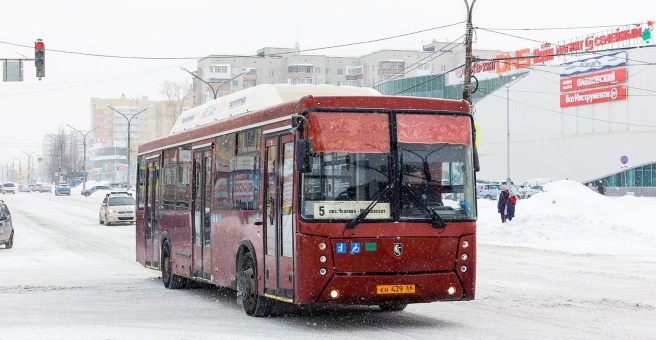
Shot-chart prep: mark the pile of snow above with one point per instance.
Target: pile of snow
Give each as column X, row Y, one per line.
column 570, row 217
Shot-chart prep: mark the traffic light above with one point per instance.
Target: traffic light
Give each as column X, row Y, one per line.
column 40, row 58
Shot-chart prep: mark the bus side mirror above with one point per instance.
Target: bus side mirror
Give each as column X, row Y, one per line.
column 303, row 151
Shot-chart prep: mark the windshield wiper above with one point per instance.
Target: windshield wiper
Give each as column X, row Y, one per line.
column 365, row 212
column 436, row 220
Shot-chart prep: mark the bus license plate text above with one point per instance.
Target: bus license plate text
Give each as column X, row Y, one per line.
column 395, row 289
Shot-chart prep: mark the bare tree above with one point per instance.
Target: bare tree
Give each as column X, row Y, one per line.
column 177, row 94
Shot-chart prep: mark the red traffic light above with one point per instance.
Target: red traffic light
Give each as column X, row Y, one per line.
column 38, row 45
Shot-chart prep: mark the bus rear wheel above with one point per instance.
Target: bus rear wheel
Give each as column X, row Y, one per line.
column 254, row 304
column 393, row 307
column 170, row 280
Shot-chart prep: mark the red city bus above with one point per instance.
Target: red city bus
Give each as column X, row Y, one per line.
column 313, row 194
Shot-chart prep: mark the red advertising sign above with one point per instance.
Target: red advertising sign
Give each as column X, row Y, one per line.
column 596, row 79
column 599, row 95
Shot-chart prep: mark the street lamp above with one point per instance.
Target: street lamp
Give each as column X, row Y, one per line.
column 127, row 181
column 84, row 144
column 216, row 92
column 29, row 157
column 512, row 82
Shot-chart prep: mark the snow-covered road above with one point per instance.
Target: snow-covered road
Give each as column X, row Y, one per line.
column 69, row 277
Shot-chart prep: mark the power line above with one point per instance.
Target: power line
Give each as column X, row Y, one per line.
column 557, row 28
column 214, row 56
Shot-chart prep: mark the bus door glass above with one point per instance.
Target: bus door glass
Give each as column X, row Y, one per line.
column 201, row 214
column 279, row 196
column 152, row 212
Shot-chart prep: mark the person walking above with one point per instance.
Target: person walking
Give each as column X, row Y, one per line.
column 600, row 188
column 512, row 202
column 502, row 203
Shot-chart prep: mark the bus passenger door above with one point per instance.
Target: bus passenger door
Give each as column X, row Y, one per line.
column 152, row 212
column 278, row 217
column 200, row 211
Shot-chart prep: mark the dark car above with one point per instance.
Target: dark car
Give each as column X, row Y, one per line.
column 63, row 189
column 6, row 226
column 93, row 189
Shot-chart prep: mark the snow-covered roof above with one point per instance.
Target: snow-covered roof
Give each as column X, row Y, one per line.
column 257, row 98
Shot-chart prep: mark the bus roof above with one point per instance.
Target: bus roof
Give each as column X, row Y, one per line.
column 256, row 98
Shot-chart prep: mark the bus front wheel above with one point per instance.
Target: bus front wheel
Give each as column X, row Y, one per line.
column 254, row 304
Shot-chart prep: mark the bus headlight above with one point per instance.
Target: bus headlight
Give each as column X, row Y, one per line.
column 334, row 294
column 322, row 259
column 463, row 269
column 451, row 290
column 465, row 244
column 322, row 271
column 464, row 257
column 322, row 246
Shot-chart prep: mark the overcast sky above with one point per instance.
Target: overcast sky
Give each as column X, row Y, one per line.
column 75, row 31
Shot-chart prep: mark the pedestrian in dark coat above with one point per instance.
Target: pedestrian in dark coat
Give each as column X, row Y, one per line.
column 502, row 203
column 600, row 188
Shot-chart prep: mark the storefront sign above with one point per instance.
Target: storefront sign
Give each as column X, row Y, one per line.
column 599, row 95
column 597, row 79
column 593, row 64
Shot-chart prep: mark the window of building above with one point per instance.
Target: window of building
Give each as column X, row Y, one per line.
column 425, row 66
column 317, row 70
column 236, row 70
column 235, row 83
column 327, row 71
column 218, row 69
column 271, row 72
column 340, row 72
column 299, row 69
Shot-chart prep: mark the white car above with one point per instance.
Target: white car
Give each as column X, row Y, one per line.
column 9, row 188
column 117, row 207
column 533, row 190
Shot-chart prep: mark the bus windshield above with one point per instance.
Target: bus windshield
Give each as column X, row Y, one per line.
column 432, row 178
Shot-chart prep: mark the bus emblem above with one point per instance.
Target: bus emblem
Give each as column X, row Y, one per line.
column 398, row 249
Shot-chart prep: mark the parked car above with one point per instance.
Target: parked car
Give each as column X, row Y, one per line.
column 533, row 190
column 117, row 207
column 23, row 188
column 6, row 226
column 118, row 185
column 8, row 188
column 488, row 190
column 95, row 188
column 35, row 187
column 63, row 189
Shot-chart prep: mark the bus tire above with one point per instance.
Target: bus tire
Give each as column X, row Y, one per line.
column 254, row 304
column 393, row 307
column 170, row 280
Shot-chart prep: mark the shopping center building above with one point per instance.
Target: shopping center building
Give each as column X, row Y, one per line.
column 583, row 110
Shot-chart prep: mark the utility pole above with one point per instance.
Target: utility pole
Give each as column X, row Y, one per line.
column 127, row 181
column 467, row 91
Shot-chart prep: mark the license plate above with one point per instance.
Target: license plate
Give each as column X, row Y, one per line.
column 395, row 289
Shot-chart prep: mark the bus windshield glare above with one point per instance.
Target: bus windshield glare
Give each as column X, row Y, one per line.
column 351, row 167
